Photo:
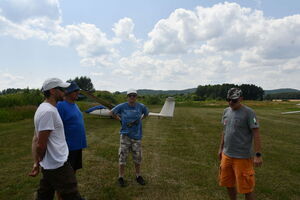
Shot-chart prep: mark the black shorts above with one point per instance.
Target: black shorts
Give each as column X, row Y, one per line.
column 62, row 180
column 75, row 159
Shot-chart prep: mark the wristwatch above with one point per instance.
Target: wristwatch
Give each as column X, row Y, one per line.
column 258, row 154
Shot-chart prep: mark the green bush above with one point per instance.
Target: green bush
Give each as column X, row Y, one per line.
column 16, row 113
column 153, row 100
column 26, row 97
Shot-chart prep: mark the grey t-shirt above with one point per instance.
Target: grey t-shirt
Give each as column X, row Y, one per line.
column 238, row 125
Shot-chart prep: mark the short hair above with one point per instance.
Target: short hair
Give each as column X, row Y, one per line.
column 47, row 94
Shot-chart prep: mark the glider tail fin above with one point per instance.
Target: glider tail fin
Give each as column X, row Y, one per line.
column 167, row 109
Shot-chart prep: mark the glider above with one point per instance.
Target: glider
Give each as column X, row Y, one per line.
column 105, row 107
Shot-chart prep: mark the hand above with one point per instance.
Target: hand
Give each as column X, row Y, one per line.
column 220, row 155
column 130, row 124
column 257, row 161
column 35, row 170
column 134, row 123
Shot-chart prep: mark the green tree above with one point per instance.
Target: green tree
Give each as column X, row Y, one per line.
column 153, row 99
column 250, row 91
column 84, row 83
column 107, row 96
column 10, row 91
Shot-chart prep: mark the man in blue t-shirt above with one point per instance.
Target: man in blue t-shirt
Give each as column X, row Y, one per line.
column 130, row 114
column 73, row 125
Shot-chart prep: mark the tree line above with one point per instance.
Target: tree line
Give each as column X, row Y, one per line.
column 202, row 92
column 219, row 92
column 284, row 96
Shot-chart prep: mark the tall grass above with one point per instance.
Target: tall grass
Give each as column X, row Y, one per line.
column 16, row 113
column 28, row 97
column 14, row 107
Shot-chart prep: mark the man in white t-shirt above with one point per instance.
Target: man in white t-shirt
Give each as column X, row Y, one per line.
column 49, row 147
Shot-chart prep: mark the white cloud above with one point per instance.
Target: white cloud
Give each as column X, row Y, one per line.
column 143, row 67
column 226, row 43
column 23, row 19
column 91, row 44
column 224, row 26
column 124, row 29
column 174, row 34
column 23, row 31
column 8, row 80
column 42, row 20
column 96, row 74
column 11, row 77
column 207, row 45
column 19, row 11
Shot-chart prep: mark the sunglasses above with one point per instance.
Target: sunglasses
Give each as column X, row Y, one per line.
column 233, row 100
column 61, row 89
column 132, row 95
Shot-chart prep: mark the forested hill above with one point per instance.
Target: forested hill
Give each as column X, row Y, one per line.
column 193, row 90
column 282, row 90
column 168, row 92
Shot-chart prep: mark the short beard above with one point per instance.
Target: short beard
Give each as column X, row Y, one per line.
column 59, row 98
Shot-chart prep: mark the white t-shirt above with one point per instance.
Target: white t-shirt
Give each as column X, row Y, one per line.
column 47, row 118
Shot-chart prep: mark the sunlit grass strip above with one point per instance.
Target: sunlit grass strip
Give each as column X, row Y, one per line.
column 16, row 113
column 21, row 99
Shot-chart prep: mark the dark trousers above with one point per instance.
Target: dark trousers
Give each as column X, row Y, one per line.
column 62, row 180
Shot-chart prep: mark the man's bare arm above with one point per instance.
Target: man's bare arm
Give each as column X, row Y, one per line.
column 257, row 147
column 42, row 144
column 36, row 167
column 221, row 146
column 33, row 149
column 38, row 149
column 117, row 117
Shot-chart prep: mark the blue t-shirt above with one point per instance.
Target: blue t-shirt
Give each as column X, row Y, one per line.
column 73, row 125
column 131, row 119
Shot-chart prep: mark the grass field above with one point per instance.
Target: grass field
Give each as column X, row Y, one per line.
column 180, row 156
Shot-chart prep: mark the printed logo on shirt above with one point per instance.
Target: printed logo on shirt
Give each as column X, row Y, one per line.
column 254, row 120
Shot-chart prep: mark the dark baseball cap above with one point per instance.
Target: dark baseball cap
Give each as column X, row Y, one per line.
column 72, row 88
column 234, row 93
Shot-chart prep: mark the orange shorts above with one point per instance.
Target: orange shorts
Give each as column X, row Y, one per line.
column 237, row 172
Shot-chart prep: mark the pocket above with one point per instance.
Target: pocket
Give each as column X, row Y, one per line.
column 219, row 175
column 248, row 179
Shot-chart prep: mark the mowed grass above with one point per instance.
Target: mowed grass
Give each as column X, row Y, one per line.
column 179, row 156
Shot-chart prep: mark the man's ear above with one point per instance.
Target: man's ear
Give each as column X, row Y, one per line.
column 52, row 91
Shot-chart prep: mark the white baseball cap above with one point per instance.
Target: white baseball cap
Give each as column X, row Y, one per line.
column 131, row 91
column 53, row 83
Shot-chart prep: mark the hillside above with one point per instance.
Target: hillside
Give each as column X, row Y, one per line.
column 192, row 90
column 168, row 92
column 282, row 90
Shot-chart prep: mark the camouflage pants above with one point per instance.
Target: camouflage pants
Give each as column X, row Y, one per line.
column 126, row 145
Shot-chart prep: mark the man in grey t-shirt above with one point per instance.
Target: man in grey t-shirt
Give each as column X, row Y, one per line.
column 240, row 129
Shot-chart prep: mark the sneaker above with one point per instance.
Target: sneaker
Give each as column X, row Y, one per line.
column 140, row 180
column 121, row 182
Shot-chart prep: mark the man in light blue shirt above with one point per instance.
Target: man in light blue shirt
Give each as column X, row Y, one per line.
column 130, row 114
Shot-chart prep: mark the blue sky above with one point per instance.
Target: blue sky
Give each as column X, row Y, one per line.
column 150, row 44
